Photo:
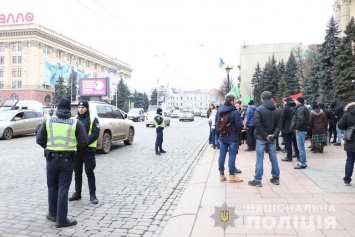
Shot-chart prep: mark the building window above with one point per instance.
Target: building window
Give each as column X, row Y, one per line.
column 14, row 97
column 13, row 84
column 56, row 53
column 46, row 49
column 88, row 64
column 14, row 72
column 1, row 72
column 20, row 47
column 95, row 66
column 2, row 84
column 19, row 59
column 19, row 72
column 47, row 99
column 2, row 60
column 14, row 47
column 2, row 48
column 19, row 84
column 14, row 59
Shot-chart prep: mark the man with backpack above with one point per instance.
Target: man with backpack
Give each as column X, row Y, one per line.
column 267, row 120
column 228, row 123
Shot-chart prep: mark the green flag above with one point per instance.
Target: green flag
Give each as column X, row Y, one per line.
column 235, row 91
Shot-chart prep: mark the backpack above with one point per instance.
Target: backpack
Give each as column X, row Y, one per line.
column 223, row 126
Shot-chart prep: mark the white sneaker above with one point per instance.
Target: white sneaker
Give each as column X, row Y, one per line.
column 347, row 184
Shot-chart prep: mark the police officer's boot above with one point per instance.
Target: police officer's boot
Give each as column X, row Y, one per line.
column 76, row 196
column 93, row 199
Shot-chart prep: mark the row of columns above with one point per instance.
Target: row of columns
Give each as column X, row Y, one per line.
column 344, row 10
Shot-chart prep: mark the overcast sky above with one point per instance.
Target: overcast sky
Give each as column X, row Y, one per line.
column 179, row 42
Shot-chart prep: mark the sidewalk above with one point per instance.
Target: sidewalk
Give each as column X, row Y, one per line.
column 309, row 202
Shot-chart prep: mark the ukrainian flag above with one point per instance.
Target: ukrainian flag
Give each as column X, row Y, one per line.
column 221, row 64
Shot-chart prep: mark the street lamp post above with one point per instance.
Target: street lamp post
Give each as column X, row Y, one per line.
column 228, row 83
column 130, row 97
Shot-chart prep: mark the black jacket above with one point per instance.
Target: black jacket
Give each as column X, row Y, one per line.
column 300, row 119
column 234, row 119
column 348, row 120
column 267, row 120
column 286, row 117
column 80, row 133
column 339, row 110
column 95, row 130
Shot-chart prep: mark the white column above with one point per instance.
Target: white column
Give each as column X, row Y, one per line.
column 345, row 14
column 337, row 9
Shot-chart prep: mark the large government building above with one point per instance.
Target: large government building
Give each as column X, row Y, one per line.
column 32, row 58
column 343, row 10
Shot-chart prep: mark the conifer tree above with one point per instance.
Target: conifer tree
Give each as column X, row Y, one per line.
column 60, row 90
column 122, row 93
column 282, row 91
column 154, row 97
column 344, row 69
column 292, row 85
column 255, row 81
column 270, row 82
column 145, row 102
column 311, row 83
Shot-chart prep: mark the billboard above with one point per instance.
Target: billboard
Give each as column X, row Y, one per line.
column 93, row 86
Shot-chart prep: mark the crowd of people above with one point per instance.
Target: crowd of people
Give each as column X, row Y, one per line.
column 264, row 125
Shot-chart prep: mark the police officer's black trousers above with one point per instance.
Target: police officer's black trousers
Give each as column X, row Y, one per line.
column 87, row 158
column 59, row 176
column 159, row 140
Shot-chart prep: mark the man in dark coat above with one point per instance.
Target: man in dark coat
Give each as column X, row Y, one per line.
column 267, row 120
column 286, row 117
column 299, row 125
column 346, row 121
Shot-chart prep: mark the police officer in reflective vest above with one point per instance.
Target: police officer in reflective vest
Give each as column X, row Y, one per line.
column 160, row 125
column 86, row 156
column 60, row 135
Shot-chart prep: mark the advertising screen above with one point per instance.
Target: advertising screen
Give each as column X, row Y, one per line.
column 93, row 86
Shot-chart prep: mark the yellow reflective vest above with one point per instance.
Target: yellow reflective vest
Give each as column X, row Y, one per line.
column 162, row 125
column 61, row 134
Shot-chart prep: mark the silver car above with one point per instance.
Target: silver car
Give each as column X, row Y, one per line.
column 186, row 115
column 136, row 114
column 19, row 122
column 114, row 125
column 149, row 118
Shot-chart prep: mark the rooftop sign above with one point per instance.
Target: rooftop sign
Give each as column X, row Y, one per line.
column 19, row 18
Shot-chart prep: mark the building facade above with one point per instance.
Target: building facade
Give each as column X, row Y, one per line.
column 32, row 58
column 343, row 10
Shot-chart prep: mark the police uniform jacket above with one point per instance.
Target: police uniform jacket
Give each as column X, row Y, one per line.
column 95, row 130
column 80, row 133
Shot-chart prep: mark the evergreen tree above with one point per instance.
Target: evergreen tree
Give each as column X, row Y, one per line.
column 255, row 83
column 282, row 91
column 328, row 55
column 292, row 85
column 311, row 83
column 122, row 93
column 145, row 102
column 270, row 80
column 344, row 69
column 139, row 100
column 71, row 88
column 154, row 97
column 60, row 90
column 281, row 69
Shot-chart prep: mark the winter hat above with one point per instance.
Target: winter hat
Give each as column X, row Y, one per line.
column 300, row 99
column 266, row 95
column 288, row 99
column 64, row 104
column 84, row 103
column 315, row 107
column 159, row 110
column 251, row 102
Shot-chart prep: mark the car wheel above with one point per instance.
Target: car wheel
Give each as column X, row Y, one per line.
column 129, row 141
column 8, row 134
column 147, row 125
column 106, row 143
column 37, row 129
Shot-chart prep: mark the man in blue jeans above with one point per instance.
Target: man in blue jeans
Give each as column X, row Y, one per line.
column 229, row 141
column 299, row 125
column 267, row 120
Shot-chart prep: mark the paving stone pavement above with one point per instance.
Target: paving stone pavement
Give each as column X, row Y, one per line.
column 310, row 202
column 137, row 190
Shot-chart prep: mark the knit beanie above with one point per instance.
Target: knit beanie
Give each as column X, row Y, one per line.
column 64, row 104
column 84, row 103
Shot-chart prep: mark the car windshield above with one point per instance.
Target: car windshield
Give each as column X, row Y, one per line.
column 152, row 113
column 6, row 116
column 134, row 111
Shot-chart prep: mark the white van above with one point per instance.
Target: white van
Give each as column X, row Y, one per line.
column 22, row 104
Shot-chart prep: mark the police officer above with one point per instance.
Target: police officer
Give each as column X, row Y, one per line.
column 60, row 135
column 160, row 125
column 86, row 156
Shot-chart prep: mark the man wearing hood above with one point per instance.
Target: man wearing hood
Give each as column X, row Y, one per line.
column 346, row 121
column 319, row 124
column 286, row 117
column 60, row 136
column 87, row 155
column 229, row 141
column 299, row 125
column 267, row 120
column 250, row 125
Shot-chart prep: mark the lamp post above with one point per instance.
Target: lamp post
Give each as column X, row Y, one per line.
column 130, row 97
column 228, row 84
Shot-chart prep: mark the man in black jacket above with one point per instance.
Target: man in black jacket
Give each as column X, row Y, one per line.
column 87, row 155
column 286, row 117
column 299, row 125
column 60, row 136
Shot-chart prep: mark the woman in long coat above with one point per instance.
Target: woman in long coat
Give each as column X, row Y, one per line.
column 318, row 123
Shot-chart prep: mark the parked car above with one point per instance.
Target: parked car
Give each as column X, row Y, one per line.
column 149, row 118
column 114, row 125
column 186, row 115
column 175, row 113
column 197, row 112
column 19, row 122
column 204, row 114
column 136, row 114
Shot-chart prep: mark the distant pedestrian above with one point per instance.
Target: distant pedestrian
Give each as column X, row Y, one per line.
column 250, row 126
column 60, row 136
column 332, row 124
column 210, row 108
column 159, row 125
column 299, row 125
column 286, row 117
column 87, row 155
column 319, row 125
column 229, row 141
column 346, row 121
column 338, row 112
column 267, row 120
column 212, row 121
